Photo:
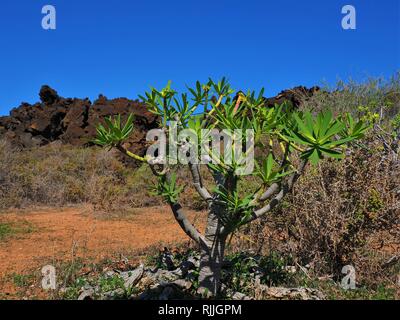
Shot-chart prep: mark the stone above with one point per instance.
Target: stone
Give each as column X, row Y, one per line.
column 182, row 284
column 114, row 294
column 48, row 95
column 290, row 293
column 73, row 121
column 131, row 278
column 186, row 266
column 240, row 296
column 295, row 96
column 87, row 294
column 168, row 260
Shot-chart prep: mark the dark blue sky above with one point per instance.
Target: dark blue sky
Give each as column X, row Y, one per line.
column 120, row 48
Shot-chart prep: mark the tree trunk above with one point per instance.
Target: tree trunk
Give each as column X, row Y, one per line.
column 212, row 256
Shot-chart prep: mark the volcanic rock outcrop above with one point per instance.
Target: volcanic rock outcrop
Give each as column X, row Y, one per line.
column 72, row 121
column 295, row 96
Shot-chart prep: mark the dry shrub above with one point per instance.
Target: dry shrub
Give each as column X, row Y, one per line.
column 340, row 213
column 348, row 211
column 377, row 94
column 57, row 175
column 334, row 211
column 62, row 175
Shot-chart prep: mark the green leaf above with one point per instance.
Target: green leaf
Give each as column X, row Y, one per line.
column 326, row 120
column 332, row 153
column 338, row 142
column 270, row 164
column 296, row 137
column 313, row 155
column 334, row 129
column 303, row 128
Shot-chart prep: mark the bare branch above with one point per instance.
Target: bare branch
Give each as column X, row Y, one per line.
column 181, row 218
column 198, row 182
column 218, row 177
column 286, row 188
column 185, row 224
column 273, row 189
column 177, row 209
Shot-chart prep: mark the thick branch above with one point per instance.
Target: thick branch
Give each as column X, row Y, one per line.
column 286, row 188
column 177, row 209
column 274, row 188
column 185, row 224
column 183, row 221
column 271, row 191
column 198, row 182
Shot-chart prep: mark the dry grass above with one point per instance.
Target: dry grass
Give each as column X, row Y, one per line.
column 60, row 175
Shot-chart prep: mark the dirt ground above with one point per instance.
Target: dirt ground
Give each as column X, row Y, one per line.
column 54, row 236
column 60, row 234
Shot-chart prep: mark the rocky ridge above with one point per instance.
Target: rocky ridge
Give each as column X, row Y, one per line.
column 73, row 121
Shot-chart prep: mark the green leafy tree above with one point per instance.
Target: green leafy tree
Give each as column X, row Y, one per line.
column 289, row 138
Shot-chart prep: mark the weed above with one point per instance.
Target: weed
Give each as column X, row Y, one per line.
column 22, row 280
column 15, row 228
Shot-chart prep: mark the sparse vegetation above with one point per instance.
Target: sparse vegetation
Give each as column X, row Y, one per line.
column 341, row 212
column 14, row 228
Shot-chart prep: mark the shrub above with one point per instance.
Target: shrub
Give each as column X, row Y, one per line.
column 344, row 212
column 295, row 139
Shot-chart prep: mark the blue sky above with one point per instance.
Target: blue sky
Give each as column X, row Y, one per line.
column 120, row 48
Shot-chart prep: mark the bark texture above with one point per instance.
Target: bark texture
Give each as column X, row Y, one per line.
column 212, row 256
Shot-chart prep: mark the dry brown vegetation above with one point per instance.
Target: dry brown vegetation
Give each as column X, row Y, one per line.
column 344, row 213
column 59, row 175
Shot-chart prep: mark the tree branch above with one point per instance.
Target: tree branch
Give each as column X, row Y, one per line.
column 185, row 224
column 273, row 189
column 183, row 221
column 129, row 154
column 286, row 188
column 198, row 182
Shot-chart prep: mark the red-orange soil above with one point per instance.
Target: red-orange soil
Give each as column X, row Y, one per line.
column 58, row 234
